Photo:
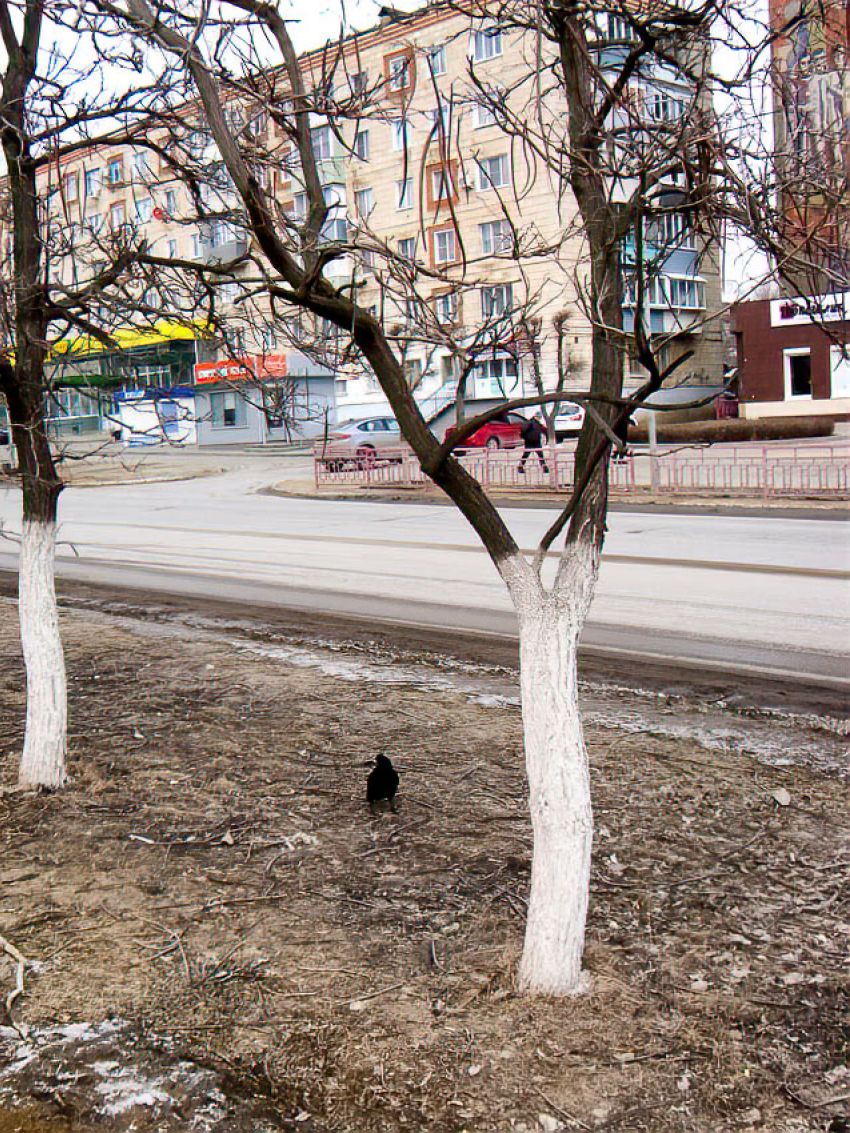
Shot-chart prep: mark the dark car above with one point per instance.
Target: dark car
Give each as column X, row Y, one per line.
column 504, row 431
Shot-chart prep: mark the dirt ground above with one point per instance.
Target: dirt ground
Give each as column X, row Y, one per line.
column 220, row 937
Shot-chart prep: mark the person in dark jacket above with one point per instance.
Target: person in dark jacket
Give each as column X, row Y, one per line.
column 532, row 435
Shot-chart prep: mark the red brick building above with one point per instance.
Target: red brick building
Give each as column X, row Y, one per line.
column 794, row 356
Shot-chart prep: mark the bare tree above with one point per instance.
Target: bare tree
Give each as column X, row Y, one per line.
column 614, row 107
column 615, row 157
column 68, row 277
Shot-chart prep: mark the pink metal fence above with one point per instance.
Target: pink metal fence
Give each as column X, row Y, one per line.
column 765, row 470
column 493, row 468
column 782, row 470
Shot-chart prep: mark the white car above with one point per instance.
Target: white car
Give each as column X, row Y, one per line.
column 360, row 442
column 569, row 420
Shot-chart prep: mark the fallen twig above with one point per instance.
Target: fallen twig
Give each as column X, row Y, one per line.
column 20, row 964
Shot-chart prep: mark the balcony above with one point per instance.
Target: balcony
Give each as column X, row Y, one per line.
column 224, row 253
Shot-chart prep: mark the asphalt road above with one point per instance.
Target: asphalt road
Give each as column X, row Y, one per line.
column 767, row 595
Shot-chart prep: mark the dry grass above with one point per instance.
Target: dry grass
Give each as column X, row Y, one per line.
column 213, row 876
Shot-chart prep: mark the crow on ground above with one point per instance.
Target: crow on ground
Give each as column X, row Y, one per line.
column 382, row 782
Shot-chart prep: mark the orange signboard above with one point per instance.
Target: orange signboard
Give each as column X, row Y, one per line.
column 258, row 368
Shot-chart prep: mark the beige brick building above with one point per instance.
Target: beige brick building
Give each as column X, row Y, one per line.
column 453, row 230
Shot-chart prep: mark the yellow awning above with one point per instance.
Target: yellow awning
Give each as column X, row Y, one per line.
column 125, row 338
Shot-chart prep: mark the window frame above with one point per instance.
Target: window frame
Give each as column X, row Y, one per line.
column 115, row 171
column 359, row 196
column 406, row 72
column 360, row 146
column 404, row 194
column 490, row 34
column 493, row 250
column 485, row 181
column 71, row 178
column 437, row 51
column 434, row 236
column 400, row 128
column 448, row 173
column 451, row 317
column 488, row 293
column 788, row 355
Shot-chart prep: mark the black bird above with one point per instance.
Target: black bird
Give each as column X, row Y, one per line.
column 382, row 782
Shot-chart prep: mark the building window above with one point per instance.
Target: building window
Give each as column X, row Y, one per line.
column 494, row 172
column 662, row 106
column 117, row 216
column 496, row 237
column 364, row 203
column 257, row 124
column 141, row 164
column 440, row 118
column 486, row 44
column 223, row 232
column 70, row 186
column 448, row 369
column 359, row 83
column 95, row 222
column 144, row 210
column 399, row 71
column 446, row 310
column 413, row 372
column 619, row 29
column 152, row 376
column 496, row 300
column 798, row 373
column 443, row 245
column 115, row 171
column 407, row 248
column 671, row 230
column 441, row 185
column 404, row 193
column 91, row 181
column 336, row 223
column 498, row 376
column 361, row 145
column 170, row 203
column 401, row 134
column 172, row 249
column 686, row 292
column 654, row 291
column 228, row 409
column 321, row 136
column 437, row 60
column 484, row 115
column 299, row 206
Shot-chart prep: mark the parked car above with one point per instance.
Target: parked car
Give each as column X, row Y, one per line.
column 504, row 431
column 359, row 442
column 569, row 420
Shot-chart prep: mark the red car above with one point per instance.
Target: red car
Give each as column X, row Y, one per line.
column 504, row 431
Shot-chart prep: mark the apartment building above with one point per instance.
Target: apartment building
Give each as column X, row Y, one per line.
column 811, row 73
column 464, row 241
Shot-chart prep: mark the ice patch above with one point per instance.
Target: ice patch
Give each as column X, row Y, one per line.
column 127, row 1092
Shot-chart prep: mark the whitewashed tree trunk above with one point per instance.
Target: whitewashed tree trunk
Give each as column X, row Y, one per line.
column 558, row 776
column 43, row 762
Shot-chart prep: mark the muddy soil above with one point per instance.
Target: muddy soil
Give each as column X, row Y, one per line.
column 219, row 936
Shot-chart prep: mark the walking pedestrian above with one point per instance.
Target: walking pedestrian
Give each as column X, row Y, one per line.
column 532, row 435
